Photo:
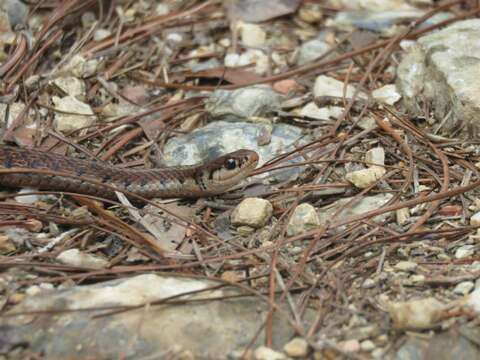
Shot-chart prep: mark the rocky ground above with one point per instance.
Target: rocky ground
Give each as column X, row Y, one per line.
column 357, row 237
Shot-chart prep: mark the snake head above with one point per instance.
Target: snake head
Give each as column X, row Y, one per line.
column 226, row 171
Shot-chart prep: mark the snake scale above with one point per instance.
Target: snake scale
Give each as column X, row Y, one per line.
column 48, row 171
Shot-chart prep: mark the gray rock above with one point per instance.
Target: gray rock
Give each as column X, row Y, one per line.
column 71, row 86
column 241, row 104
column 304, row 218
column 208, row 329
column 204, row 65
column 459, row 342
column 387, row 94
column 375, row 156
column 221, row 137
column 312, row 50
column 359, row 207
column 442, row 69
column 416, row 314
column 17, row 13
column 381, row 20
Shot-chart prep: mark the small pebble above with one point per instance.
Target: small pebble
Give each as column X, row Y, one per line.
column 252, row 35
column 304, row 218
column 475, row 219
column 297, row 347
column 367, row 345
column 375, row 156
column 254, row 212
column 245, row 230
column 377, row 353
column 75, row 257
column 405, row 266
column 417, row 279
column 350, row 345
column 369, row 283
column 365, row 177
column 265, row 353
column 6, row 245
column 464, row 287
column 464, row 251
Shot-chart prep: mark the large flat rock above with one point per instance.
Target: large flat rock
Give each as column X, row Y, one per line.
column 441, row 71
column 66, row 322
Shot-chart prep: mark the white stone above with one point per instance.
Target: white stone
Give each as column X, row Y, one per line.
column 475, row 266
column 327, row 86
column 101, row 34
column 367, row 345
column 162, row 9
column 367, row 123
column 365, row 177
column 350, row 345
column 417, row 279
column 74, row 114
column 464, row 251
column 251, row 56
column 304, row 218
column 378, row 354
column 174, row 37
column 71, row 86
column 324, row 113
column 375, row 156
column 33, row 290
column 369, row 283
column 387, row 94
column 27, row 199
column 231, row 60
column 464, row 287
column 473, row 301
column 75, row 257
column 80, row 67
column 254, row 212
column 405, row 266
column 475, row 219
column 252, row 34
column 403, row 215
column 310, row 13
column 265, row 353
column 297, row 347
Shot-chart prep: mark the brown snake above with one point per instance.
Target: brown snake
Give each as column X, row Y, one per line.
column 73, row 175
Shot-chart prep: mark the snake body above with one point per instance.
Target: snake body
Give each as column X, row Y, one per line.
column 48, row 171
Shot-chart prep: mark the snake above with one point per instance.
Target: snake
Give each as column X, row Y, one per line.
column 22, row 167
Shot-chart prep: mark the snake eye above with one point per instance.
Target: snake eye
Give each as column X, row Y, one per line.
column 230, row 164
